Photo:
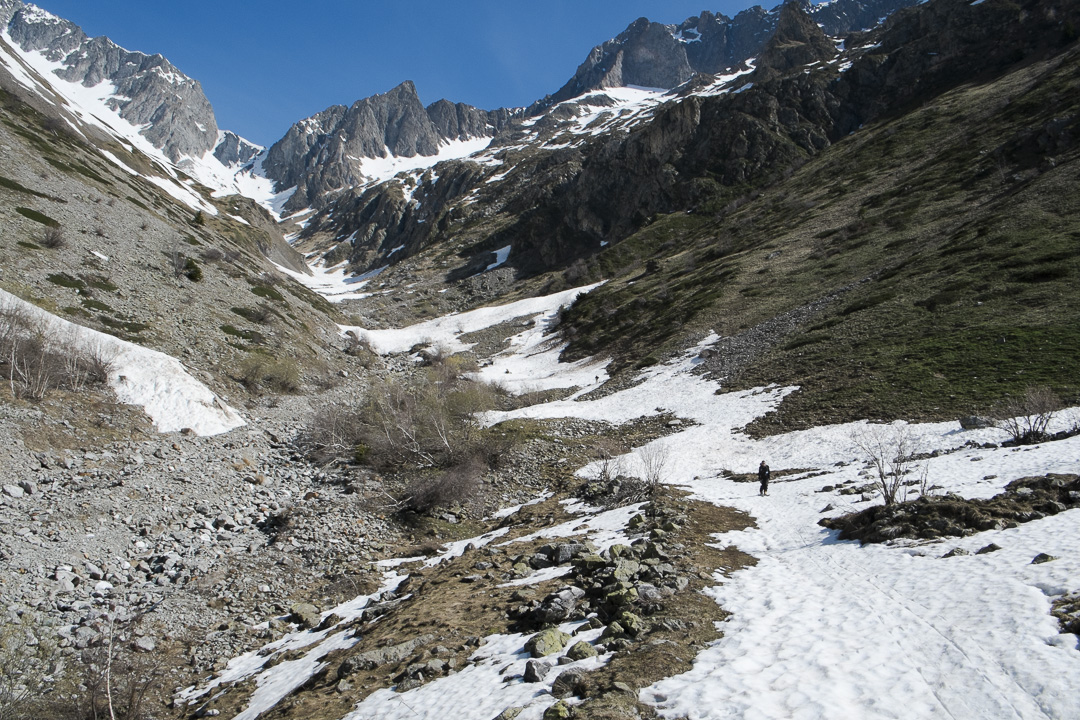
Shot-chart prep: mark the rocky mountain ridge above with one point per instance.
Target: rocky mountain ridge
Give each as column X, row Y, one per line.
column 149, row 91
column 325, row 152
column 651, row 54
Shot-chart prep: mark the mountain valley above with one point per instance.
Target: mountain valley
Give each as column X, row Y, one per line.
column 450, row 412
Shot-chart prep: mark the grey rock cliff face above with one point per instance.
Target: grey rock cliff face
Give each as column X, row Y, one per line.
column 233, row 150
column 325, row 152
column 654, row 55
column 149, row 90
column 458, row 121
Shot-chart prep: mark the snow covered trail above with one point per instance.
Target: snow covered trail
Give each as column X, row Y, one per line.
column 822, row 628
column 829, row 629
column 157, row 382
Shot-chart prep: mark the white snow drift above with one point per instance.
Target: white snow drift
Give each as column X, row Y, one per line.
column 158, row 383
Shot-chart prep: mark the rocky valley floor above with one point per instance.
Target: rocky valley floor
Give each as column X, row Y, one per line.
column 270, row 586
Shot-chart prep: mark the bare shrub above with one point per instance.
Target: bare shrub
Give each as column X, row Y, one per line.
column 1026, row 418
column 176, row 261
column 460, row 485
column 261, row 314
column 29, row 666
column 627, row 490
column 890, row 451
column 212, row 255
column 429, row 419
column 336, row 430
column 33, row 366
column 609, row 461
column 117, row 679
column 36, row 361
column 53, row 238
column 654, row 459
column 611, row 485
column 258, row 372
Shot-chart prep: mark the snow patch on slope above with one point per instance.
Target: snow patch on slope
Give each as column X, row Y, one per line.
column 158, row 383
column 446, row 330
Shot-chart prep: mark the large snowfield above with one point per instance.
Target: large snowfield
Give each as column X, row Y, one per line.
column 819, row 628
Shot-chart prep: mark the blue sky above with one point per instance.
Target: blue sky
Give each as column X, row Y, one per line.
column 266, row 65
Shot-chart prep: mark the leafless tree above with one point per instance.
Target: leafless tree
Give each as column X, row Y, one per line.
column 890, row 451
column 654, row 460
column 1027, row 417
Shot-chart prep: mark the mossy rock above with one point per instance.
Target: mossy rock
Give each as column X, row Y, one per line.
column 581, row 650
column 546, row 643
column 589, row 562
column 621, row 598
column 559, row 711
column 614, row 631
column 631, row 623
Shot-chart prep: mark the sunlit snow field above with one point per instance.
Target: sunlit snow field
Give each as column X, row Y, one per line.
column 819, row 628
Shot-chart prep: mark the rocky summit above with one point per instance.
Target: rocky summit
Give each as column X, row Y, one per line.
column 737, row 377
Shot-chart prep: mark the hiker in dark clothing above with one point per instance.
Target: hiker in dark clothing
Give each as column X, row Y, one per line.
column 763, row 475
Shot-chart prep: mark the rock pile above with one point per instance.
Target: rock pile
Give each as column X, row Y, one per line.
column 950, row 515
column 195, row 529
column 617, row 589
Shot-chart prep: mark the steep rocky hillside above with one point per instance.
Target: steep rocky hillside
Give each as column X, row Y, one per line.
column 752, row 206
column 649, row 54
column 112, row 249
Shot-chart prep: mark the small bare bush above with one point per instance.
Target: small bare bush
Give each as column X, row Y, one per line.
column 1026, row 418
column 335, row 430
column 627, row 490
column 430, row 419
column 29, row 666
column 212, row 255
column 176, row 261
column 654, row 459
column 53, row 238
column 258, row 372
column 87, row 364
column 890, row 451
column 261, row 314
column 460, row 485
column 117, row 679
column 609, row 461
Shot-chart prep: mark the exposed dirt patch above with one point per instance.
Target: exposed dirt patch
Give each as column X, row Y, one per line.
column 1067, row 612
column 1023, row 500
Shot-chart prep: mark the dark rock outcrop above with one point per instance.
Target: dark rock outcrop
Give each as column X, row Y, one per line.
column 653, row 55
column 796, row 42
column 952, row 516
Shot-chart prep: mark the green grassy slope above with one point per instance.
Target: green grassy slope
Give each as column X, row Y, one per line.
column 943, row 248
